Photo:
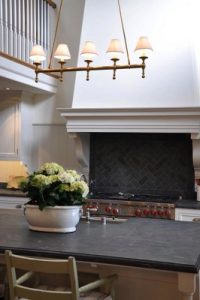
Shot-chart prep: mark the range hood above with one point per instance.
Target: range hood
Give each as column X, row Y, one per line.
column 80, row 122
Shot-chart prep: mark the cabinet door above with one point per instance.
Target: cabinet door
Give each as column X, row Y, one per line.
column 9, row 130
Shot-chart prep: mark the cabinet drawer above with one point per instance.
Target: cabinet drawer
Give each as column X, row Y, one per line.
column 190, row 215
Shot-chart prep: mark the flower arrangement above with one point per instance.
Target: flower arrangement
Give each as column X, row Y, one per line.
column 52, row 185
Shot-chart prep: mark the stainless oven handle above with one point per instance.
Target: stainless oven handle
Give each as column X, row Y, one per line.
column 196, row 220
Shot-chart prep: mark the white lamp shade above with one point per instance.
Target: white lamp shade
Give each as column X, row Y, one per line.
column 143, row 46
column 115, row 49
column 62, row 52
column 37, row 54
column 89, row 51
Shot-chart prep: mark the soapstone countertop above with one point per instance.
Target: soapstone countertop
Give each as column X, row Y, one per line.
column 11, row 193
column 146, row 243
column 188, row 203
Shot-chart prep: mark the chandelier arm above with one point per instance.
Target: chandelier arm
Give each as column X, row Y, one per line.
column 124, row 34
column 90, row 68
column 56, row 30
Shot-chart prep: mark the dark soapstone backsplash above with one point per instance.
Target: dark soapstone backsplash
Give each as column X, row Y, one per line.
column 142, row 163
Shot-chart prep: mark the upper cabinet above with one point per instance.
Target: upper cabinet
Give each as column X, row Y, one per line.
column 9, row 128
column 16, row 110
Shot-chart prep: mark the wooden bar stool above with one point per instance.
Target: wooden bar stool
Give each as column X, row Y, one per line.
column 19, row 289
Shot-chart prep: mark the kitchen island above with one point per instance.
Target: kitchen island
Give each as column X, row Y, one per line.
column 150, row 245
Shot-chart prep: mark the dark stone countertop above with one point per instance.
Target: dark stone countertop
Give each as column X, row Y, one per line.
column 11, row 193
column 146, row 243
column 190, row 203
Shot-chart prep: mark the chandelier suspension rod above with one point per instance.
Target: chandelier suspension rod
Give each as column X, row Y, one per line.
column 56, row 30
column 124, row 33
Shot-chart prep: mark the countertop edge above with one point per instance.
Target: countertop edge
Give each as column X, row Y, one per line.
column 109, row 260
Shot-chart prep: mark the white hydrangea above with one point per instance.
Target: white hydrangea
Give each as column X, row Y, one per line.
column 75, row 175
column 81, row 186
column 66, row 178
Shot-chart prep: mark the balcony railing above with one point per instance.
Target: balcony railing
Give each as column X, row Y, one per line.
column 24, row 23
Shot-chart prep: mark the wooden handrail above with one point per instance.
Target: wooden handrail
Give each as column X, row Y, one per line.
column 51, row 3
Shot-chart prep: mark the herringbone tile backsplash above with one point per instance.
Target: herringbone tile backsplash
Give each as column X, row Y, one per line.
column 142, row 163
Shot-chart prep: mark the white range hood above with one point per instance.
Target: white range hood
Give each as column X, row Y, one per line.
column 81, row 121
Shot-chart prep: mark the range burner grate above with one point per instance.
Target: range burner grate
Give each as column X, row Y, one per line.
column 137, row 197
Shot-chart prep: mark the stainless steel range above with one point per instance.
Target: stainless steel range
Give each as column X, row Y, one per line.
column 128, row 205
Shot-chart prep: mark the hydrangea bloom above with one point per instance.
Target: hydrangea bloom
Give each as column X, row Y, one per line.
column 51, row 169
column 51, row 185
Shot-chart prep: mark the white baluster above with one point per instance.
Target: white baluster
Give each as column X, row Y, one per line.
column 23, row 48
column 19, row 30
column 44, row 25
column 41, row 23
column 1, row 26
column 38, row 22
column 5, row 25
column 10, row 28
column 30, row 25
column 27, row 22
column 48, row 39
column 34, row 22
column 15, row 41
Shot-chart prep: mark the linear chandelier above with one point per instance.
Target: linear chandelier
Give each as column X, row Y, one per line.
column 89, row 52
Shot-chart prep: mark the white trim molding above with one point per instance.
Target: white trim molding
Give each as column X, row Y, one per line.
column 182, row 120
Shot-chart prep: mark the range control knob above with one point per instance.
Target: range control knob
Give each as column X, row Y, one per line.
column 108, row 209
column 168, row 213
column 154, row 212
column 161, row 212
column 146, row 211
column 138, row 212
column 115, row 211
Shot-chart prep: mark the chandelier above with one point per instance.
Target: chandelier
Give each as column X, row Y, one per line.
column 89, row 52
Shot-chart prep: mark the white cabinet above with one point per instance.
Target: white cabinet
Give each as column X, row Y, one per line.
column 9, row 129
column 186, row 214
column 16, row 109
column 12, row 202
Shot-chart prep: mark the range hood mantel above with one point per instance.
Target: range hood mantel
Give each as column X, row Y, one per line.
column 177, row 120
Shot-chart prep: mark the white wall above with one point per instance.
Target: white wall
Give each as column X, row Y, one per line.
column 171, row 73
column 172, row 70
column 50, row 139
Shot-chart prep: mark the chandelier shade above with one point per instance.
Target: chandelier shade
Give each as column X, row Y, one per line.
column 62, row 52
column 37, row 54
column 143, row 46
column 89, row 51
column 115, row 49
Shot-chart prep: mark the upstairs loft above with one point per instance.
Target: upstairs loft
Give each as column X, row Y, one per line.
column 22, row 26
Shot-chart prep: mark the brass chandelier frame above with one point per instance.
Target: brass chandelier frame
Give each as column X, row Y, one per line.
column 89, row 68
